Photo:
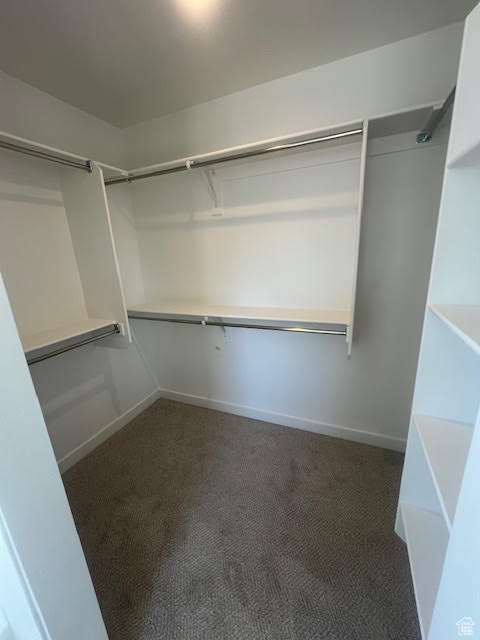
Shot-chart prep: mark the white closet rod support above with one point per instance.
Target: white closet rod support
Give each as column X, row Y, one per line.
column 242, row 325
column 435, row 118
column 200, row 164
column 85, row 165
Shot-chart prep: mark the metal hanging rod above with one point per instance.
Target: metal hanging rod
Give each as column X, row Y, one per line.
column 435, row 118
column 185, row 165
column 216, row 323
column 68, row 347
column 85, row 165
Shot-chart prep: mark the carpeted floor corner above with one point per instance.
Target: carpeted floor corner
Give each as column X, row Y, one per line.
column 199, row 525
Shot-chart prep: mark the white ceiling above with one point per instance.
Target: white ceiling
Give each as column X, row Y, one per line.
column 130, row 60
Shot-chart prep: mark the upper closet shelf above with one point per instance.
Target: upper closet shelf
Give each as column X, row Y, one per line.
column 46, row 344
column 427, row 541
column 302, row 320
column 463, row 320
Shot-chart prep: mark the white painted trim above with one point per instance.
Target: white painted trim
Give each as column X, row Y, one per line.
column 94, row 441
column 323, row 428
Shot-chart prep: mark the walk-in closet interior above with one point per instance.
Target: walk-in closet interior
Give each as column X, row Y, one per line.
column 219, row 416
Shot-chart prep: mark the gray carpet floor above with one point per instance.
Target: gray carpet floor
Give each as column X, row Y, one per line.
column 199, row 525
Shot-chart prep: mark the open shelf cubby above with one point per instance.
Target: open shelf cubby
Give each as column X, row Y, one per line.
column 427, row 540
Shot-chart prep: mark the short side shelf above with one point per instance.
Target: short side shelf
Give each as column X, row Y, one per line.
column 427, row 541
column 45, row 344
column 446, row 445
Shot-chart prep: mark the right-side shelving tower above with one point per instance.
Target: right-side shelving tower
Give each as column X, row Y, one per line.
column 439, row 507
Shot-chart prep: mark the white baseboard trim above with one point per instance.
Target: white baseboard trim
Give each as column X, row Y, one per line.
column 94, row 441
column 336, row 431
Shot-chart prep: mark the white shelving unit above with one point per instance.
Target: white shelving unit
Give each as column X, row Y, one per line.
column 446, row 445
column 272, row 243
column 57, row 253
column 439, row 515
column 427, row 539
column 224, row 264
column 302, row 270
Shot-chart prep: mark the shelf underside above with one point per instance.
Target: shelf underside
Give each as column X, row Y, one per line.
column 446, row 445
column 40, row 345
column 427, row 540
column 197, row 311
column 463, row 320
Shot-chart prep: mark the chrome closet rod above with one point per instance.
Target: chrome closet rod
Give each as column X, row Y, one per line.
column 215, row 323
column 44, row 155
column 60, row 350
column 185, row 165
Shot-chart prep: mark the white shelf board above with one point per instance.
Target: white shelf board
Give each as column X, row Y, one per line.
column 446, row 445
column 427, row 539
column 463, row 320
column 270, row 314
column 59, row 334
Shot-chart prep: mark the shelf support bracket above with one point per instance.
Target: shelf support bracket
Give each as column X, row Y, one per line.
column 435, row 118
column 207, row 180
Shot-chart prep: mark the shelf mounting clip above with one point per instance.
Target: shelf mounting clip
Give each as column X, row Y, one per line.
column 207, row 180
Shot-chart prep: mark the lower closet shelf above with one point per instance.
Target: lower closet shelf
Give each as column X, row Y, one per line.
column 427, row 539
column 313, row 320
column 46, row 344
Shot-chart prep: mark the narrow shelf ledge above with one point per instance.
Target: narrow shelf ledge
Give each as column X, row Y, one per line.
column 463, row 320
column 446, row 445
column 427, row 540
column 197, row 313
column 45, row 344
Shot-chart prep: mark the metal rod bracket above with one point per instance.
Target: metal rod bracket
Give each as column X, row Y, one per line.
column 437, row 115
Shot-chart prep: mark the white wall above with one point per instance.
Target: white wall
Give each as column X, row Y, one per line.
column 411, row 72
column 34, row 240
column 306, row 380
column 30, row 113
column 90, row 392
column 282, row 236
